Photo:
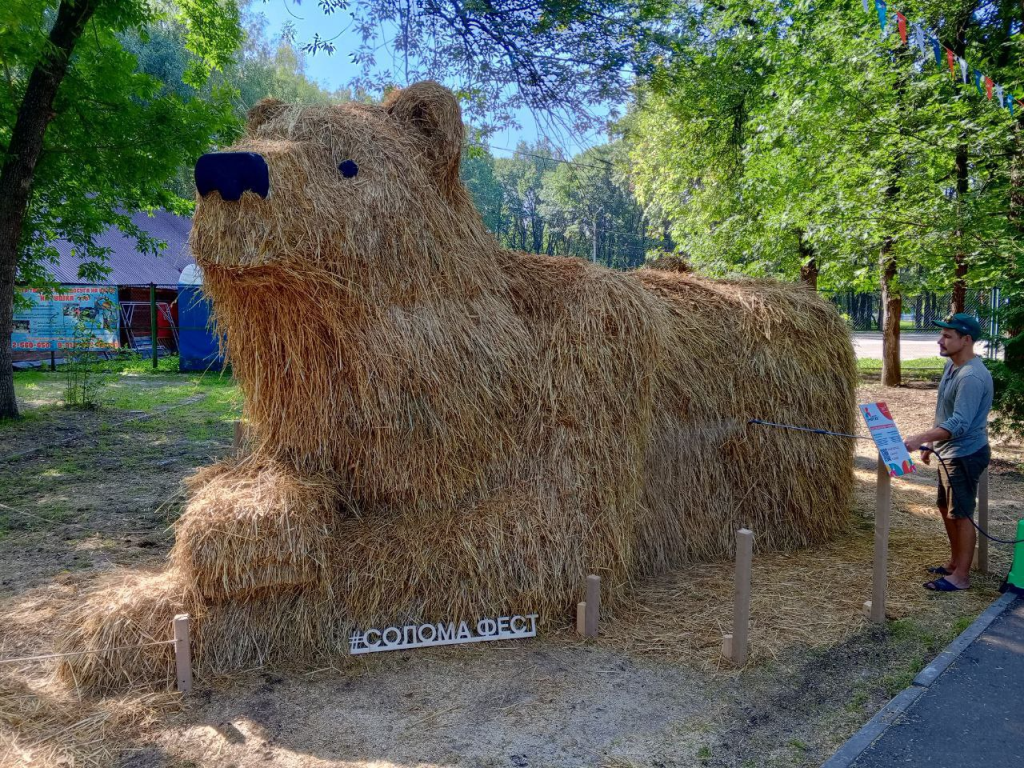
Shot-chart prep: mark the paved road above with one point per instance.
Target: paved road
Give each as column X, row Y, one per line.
column 972, row 716
column 912, row 345
column 868, row 344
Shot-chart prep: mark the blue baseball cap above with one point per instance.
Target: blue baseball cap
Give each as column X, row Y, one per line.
column 962, row 323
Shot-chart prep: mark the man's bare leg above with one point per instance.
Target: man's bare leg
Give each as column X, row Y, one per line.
column 952, row 532
column 966, row 538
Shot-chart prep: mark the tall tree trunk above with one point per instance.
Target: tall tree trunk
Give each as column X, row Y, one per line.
column 1013, row 316
column 959, row 300
column 892, row 308
column 808, row 262
column 18, row 170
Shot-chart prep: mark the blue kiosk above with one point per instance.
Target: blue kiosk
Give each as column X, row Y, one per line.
column 197, row 343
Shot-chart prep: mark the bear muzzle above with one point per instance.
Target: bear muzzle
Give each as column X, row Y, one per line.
column 232, row 173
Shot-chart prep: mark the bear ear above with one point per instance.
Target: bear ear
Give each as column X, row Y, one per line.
column 431, row 112
column 263, row 111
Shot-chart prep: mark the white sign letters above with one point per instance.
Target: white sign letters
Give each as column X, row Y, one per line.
column 424, row 635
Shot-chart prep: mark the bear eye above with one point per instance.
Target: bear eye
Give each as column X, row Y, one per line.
column 348, row 169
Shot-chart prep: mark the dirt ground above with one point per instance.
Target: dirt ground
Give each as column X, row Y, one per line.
column 84, row 495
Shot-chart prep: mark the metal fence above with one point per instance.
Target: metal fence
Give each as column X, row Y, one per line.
column 863, row 311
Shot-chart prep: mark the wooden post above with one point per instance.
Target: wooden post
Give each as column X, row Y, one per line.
column 152, row 321
column 593, row 605
column 581, row 619
column 737, row 642
column 236, row 444
column 981, row 553
column 883, row 507
column 182, row 653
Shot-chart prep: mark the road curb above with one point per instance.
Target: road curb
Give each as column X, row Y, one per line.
column 876, row 726
column 940, row 663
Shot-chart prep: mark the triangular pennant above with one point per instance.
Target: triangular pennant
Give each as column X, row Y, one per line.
column 919, row 38
column 881, row 7
column 901, row 25
column 963, row 67
column 999, row 95
column 988, row 87
column 867, row 6
column 937, row 50
column 977, row 80
column 951, row 60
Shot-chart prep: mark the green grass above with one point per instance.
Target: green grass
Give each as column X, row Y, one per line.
column 110, row 438
column 918, row 369
column 127, row 389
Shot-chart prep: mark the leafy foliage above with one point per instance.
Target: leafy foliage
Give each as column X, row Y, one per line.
column 539, row 201
column 818, row 137
column 118, row 133
column 552, row 57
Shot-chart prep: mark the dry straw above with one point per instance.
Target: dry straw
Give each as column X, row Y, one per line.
column 440, row 428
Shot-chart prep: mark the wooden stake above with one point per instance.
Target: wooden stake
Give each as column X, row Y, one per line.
column 981, row 553
column 741, row 595
column 727, row 646
column 593, row 605
column 236, row 445
column 581, row 619
column 883, row 508
column 182, row 653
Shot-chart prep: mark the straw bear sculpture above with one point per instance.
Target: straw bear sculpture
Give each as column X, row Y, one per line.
column 441, row 429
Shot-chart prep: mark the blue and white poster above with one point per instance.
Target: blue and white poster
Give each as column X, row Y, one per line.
column 86, row 314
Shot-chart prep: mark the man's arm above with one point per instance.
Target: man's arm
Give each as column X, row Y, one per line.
column 935, row 433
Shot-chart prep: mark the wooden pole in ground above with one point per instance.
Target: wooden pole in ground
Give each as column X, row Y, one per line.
column 152, row 321
column 883, row 508
column 581, row 619
column 735, row 645
column 593, row 609
column 182, row 652
column 239, row 439
column 981, row 553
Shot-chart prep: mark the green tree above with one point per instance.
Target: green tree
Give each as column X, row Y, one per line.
column 86, row 138
column 826, row 151
column 591, row 211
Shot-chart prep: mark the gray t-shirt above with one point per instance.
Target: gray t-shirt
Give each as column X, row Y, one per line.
column 965, row 397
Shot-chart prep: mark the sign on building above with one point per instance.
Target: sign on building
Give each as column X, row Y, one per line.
column 86, row 316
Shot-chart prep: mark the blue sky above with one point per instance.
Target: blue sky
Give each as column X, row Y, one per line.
column 336, row 70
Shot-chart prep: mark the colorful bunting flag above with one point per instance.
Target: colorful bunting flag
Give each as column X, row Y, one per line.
column 919, row 39
column 901, row 25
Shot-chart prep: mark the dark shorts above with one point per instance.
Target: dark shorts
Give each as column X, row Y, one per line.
column 958, row 490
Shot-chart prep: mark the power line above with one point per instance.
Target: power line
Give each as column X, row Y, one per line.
column 491, row 147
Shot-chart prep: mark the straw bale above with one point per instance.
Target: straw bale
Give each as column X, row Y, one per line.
column 442, row 429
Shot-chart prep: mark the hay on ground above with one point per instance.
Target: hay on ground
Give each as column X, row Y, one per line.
column 442, row 429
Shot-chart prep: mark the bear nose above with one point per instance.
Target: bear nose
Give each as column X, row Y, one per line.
column 232, row 173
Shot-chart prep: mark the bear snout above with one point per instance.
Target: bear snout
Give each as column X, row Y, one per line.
column 232, row 173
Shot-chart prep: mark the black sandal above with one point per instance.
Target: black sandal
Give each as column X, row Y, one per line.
column 941, row 585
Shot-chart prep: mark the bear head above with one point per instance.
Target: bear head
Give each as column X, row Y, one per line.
column 361, row 195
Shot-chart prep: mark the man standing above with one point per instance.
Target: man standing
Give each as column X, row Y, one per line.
column 960, row 439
